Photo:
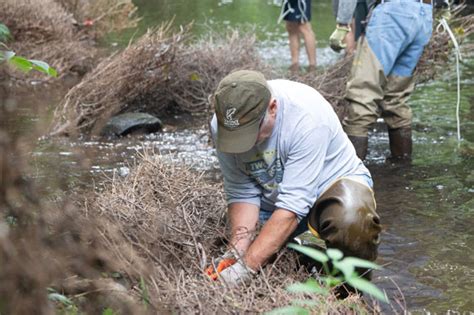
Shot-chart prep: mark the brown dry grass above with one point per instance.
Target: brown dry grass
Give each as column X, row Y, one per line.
column 44, row 30
column 124, row 78
column 106, row 16
column 175, row 221
column 199, row 67
column 53, row 31
column 159, row 70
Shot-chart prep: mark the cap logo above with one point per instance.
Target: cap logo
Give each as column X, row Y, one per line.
column 229, row 120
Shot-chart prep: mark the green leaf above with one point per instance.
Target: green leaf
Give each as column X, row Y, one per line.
column 20, row 63
column 358, row 262
column 59, row 298
column 43, row 67
column 144, row 291
column 26, row 65
column 310, row 286
column 367, row 287
column 4, row 32
column 311, row 252
column 331, row 281
column 194, row 77
column 289, row 310
column 345, row 267
column 334, row 253
column 108, row 311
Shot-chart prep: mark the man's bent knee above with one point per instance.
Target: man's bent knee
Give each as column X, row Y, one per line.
column 344, row 217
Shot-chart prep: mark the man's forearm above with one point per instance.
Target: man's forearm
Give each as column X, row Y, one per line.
column 271, row 238
column 243, row 219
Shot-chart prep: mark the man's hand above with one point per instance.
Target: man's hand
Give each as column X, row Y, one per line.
column 237, row 274
column 225, row 261
column 444, row 13
column 442, row 10
column 336, row 40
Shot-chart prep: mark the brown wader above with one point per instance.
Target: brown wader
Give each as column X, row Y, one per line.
column 372, row 94
column 344, row 217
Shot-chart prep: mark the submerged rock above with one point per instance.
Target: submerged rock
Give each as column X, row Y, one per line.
column 124, row 124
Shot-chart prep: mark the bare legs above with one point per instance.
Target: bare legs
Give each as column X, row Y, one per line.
column 294, row 39
column 295, row 30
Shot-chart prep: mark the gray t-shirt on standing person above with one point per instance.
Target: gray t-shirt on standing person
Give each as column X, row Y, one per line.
column 344, row 9
column 306, row 152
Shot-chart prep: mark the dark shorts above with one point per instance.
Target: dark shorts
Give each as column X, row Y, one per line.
column 300, row 11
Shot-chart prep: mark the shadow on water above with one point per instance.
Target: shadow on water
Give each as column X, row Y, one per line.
column 427, row 209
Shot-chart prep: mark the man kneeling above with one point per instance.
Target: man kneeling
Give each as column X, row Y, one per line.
column 287, row 164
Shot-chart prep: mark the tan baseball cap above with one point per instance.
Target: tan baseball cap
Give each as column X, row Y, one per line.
column 241, row 100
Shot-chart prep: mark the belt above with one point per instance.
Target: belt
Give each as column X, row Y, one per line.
column 400, row 1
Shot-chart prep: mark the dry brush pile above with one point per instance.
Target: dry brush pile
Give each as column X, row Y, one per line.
column 44, row 30
column 174, row 220
column 160, row 69
column 102, row 16
column 54, row 31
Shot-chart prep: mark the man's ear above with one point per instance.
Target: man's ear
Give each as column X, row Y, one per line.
column 273, row 106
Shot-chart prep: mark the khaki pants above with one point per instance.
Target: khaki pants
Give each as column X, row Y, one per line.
column 344, row 217
column 371, row 94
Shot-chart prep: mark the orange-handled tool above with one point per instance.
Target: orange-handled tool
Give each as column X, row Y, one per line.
column 223, row 264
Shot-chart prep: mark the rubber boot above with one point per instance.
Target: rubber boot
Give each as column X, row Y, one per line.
column 360, row 144
column 344, row 216
column 400, row 144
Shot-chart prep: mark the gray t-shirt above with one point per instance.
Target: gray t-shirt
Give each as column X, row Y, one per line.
column 344, row 9
column 306, row 151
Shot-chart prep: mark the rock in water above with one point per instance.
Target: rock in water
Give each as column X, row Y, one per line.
column 124, row 124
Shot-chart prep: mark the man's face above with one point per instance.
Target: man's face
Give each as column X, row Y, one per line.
column 268, row 122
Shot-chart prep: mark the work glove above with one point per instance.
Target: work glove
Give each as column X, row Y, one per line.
column 444, row 13
column 336, row 40
column 237, row 274
column 442, row 10
column 228, row 259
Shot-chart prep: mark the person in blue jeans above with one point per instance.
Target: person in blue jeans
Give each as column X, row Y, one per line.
column 381, row 79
